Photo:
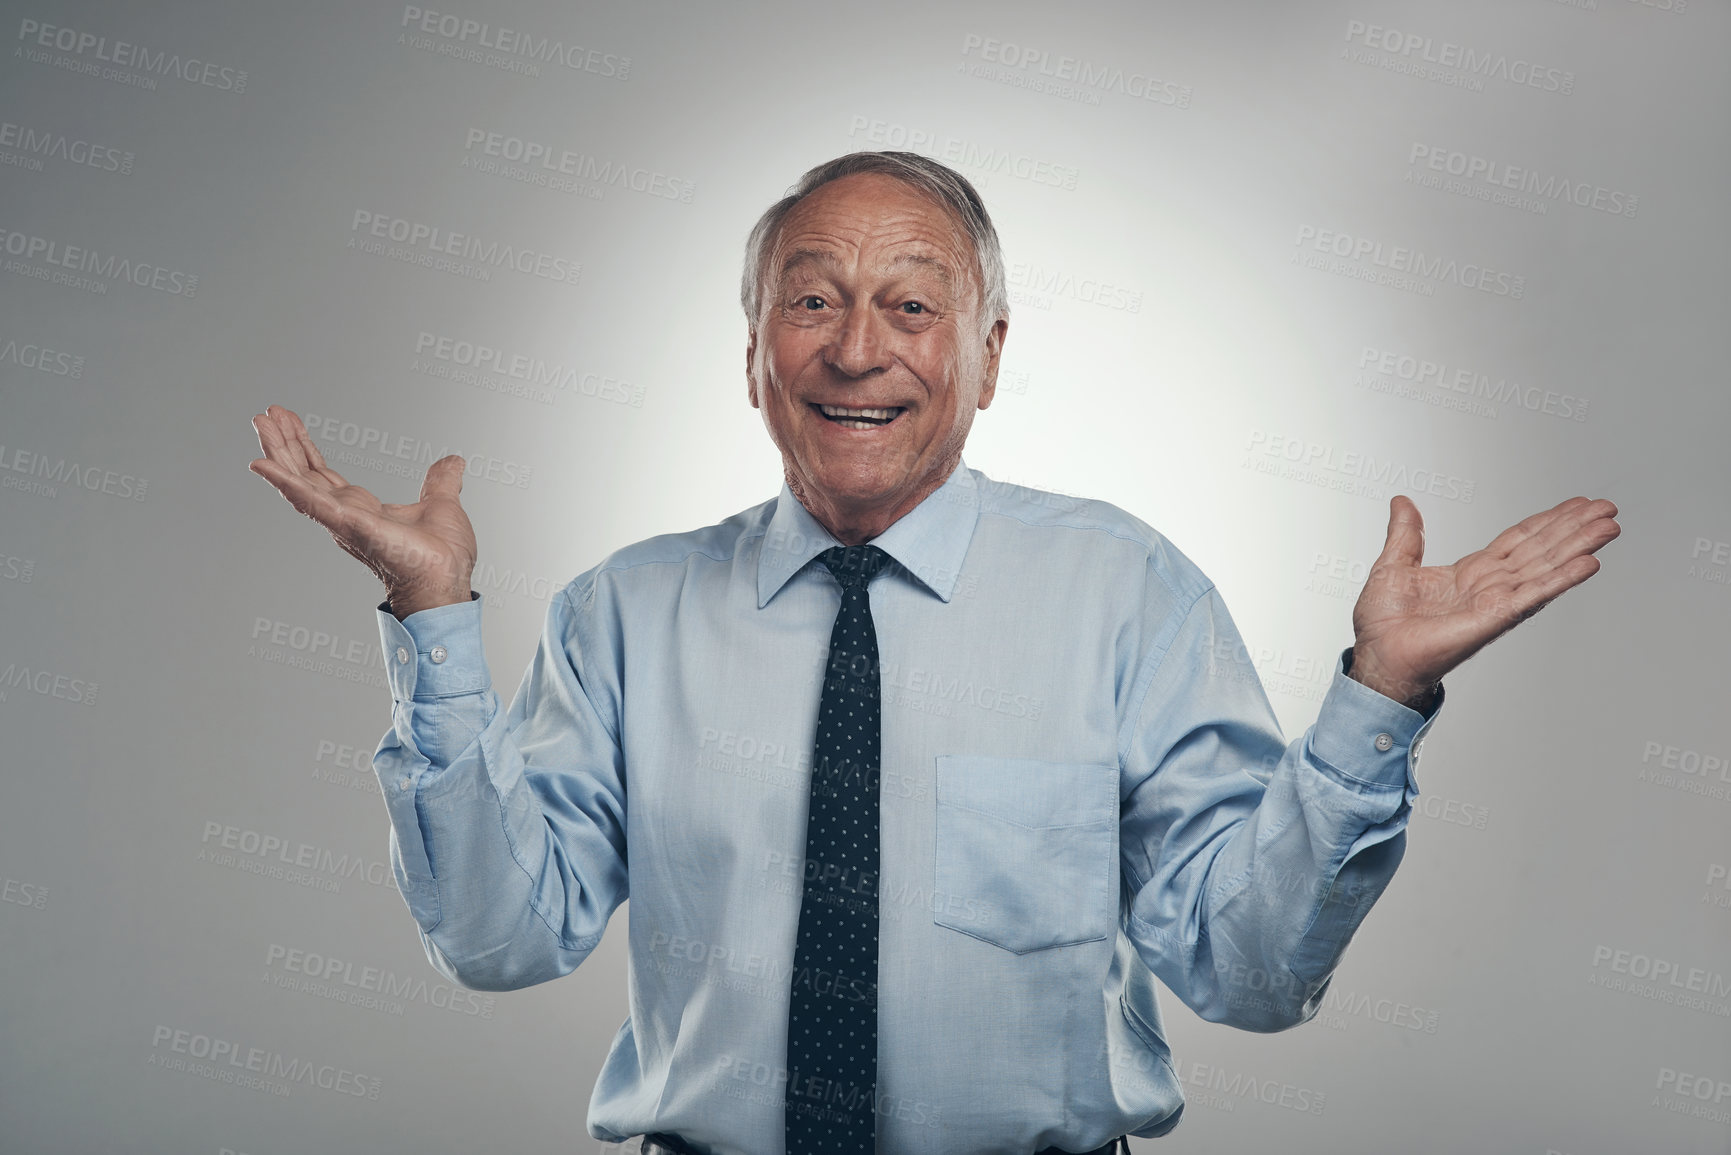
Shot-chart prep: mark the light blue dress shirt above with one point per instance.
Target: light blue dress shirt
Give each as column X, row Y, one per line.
column 1083, row 788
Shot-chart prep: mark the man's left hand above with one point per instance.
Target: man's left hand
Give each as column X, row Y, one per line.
column 1414, row 623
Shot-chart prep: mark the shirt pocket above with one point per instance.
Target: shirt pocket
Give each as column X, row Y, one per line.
column 1026, row 850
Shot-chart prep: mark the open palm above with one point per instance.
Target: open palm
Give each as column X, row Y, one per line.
column 1414, row 623
column 424, row 553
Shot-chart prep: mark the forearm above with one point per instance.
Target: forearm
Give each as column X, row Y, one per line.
column 504, row 893
column 1249, row 862
column 1279, row 901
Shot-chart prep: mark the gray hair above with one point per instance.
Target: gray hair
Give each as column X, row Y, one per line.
column 949, row 188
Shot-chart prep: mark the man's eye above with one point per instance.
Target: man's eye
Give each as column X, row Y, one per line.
column 913, row 308
column 813, row 304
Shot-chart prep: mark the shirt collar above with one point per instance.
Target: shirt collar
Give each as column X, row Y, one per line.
column 929, row 541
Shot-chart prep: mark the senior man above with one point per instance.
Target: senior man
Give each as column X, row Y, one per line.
column 915, row 780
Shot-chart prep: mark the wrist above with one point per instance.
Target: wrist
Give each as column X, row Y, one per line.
column 1416, row 695
column 413, row 602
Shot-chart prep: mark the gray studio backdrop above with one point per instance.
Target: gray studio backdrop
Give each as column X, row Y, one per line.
column 1271, row 264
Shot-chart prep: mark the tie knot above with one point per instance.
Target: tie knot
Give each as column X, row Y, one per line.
column 854, row 565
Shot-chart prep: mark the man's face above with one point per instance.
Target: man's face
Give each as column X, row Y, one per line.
column 870, row 302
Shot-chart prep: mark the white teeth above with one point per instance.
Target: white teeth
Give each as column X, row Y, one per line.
column 876, row 414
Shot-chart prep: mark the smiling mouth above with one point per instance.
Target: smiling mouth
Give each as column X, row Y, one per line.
column 859, row 418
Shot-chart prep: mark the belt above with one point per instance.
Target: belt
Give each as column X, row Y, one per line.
column 659, row 1144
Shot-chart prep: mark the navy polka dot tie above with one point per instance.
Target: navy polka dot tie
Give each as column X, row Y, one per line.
column 832, row 1023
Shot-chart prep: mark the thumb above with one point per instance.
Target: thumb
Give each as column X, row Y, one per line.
column 1405, row 544
column 444, row 477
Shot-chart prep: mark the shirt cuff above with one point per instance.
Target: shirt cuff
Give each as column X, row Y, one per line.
column 434, row 653
column 1367, row 741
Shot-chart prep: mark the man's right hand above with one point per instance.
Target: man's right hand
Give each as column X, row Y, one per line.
column 424, row 553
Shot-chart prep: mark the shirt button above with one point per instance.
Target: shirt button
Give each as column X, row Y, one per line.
column 1385, row 742
column 402, row 784
column 402, row 656
column 437, row 653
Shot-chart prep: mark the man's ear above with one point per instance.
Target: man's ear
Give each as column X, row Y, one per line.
column 994, row 350
column 750, row 357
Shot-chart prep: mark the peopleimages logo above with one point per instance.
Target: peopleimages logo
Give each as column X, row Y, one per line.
column 47, row 683
column 1302, row 460
column 1224, row 1089
column 1490, row 179
column 1710, row 561
column 1444, row 60
column 535, row 378
column 966, row 154
column 88, row 48
column 1067, row 77
column 368, row 987
column 1459, row 386
column 465, row 39
column 1718, row 879
column 1046, row 283
column 1371, row 260
column 296, row 637
column 30, row 355
column 1700, row 1096
column 17, row 569
column 257, row 1068
column 102, row 268
column 1667, row 763
column 404, row 454
column 44, row 473
column 302, row 863
column 1661, row 980
column 33, row 895
column 433, row 246
column 34, row 145
column 540, row 161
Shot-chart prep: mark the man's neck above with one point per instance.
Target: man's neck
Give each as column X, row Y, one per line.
column 856, row 525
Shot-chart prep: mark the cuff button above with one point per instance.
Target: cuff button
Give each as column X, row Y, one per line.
column 437, row 653
column 1385, row 742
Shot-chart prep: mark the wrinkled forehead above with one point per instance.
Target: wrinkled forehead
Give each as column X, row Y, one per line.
column 806, row 262
column 873, row 222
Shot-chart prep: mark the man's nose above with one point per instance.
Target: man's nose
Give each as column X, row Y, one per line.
column 859, row 344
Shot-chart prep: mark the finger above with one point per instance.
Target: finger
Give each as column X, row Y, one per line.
column 1405, row 543
column 356, row 528
column 272, row 444
column 1510, row 602
column 1584, row 542
column 282, row 460
column 1531, row 597
column 292, row 425
column 269, row 437
column 306, row 492
column 315, row 458
column 295, row 430
column 444, row 477
column 1507, row 541
column 259, row 423
column 279, row 438
column 1559, row 538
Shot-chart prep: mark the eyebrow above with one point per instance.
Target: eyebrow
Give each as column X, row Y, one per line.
column 824, row 257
